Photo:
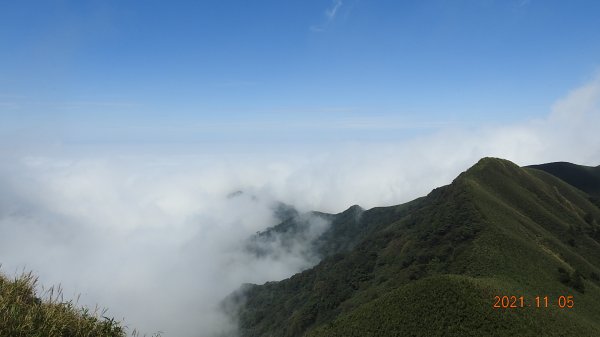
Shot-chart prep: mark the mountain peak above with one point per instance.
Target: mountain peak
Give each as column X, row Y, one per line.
column 467, row 240
column 354, row 209
column 492, row 163
column 490, row 169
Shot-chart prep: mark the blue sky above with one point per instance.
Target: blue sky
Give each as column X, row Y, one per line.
column 185, row 71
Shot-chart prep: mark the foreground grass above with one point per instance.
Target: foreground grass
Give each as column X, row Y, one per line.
column 23, row 313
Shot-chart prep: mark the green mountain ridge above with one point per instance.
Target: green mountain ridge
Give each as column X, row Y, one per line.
column 340, row 232
column 585, row 178
column 433, row 266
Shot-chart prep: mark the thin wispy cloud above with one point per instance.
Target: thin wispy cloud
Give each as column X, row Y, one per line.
column 330, row 14
column 11, row 96
column 524, row 3
column 332, row 11
column 97, row 104
column 9, row 106
column 235, row 84
column 19, row 102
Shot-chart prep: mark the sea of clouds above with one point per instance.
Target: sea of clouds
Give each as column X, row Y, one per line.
column 156, row 239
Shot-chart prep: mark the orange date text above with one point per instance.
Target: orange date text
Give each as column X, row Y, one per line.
column 514, row 302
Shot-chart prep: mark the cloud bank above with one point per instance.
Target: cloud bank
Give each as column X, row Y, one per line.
column 155, row 238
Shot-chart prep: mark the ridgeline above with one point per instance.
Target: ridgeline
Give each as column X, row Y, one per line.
column 434, row 266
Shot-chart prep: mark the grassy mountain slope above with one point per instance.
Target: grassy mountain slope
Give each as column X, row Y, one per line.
column 432, row 267
column 342, row 232
column 585, row 178
column 24, row 314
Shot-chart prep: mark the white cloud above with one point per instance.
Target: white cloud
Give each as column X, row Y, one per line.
column 155, row 238
column 332, row 11
column 330, row 15
column 151, row 243
column 523, row 3
column 9, row 106
column 579, row 103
